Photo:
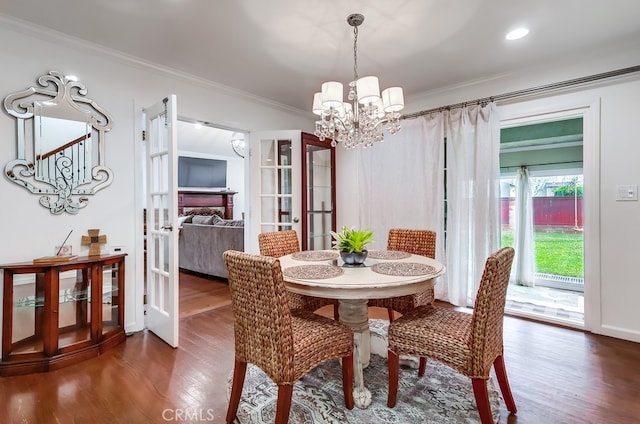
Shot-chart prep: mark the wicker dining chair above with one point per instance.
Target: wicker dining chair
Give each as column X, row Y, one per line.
column 418, row 242
column 280, row 243
column 286, row 344
column 468, row 343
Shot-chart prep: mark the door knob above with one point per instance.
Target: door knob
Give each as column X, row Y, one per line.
column 296, row 220
column 168, row 227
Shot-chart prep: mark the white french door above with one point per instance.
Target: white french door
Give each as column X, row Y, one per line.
column 276, row 163
column 162, row 210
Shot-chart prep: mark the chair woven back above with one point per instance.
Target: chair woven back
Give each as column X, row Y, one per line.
column 418, row 242
column 488, row 311
column 262, row 318
column 278, row 243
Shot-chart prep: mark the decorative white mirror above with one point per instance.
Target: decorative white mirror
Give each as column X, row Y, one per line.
column 60, row 143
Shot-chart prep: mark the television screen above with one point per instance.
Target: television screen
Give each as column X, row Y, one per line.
column 201, row 172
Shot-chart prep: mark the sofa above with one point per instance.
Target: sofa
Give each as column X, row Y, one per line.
column 203, row 240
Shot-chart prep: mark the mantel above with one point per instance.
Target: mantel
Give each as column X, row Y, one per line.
column 201, row 198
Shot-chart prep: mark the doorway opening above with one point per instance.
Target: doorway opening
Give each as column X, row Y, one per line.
column 212, row 145
column 542, row 189
column 208, row 146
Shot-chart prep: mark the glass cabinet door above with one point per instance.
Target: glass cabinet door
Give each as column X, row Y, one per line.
column 27, row 306
column 74, row 306
column 111, row 302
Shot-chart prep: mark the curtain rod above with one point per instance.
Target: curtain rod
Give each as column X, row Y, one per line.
column 529, row 91
column 542, row 164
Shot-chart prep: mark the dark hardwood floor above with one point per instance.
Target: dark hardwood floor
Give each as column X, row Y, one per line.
column 557, row 375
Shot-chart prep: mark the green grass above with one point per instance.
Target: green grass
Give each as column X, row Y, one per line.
column 556, row 253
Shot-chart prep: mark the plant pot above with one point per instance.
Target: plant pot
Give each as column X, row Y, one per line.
column 354, row 258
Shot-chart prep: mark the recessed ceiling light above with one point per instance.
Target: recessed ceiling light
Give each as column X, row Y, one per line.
column 517, row 34
column 198, row 125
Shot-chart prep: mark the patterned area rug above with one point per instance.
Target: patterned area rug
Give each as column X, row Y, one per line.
column 442, row 396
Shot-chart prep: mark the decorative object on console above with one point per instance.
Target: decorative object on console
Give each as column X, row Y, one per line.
column 63, row 250
column 94, row 240
column 360, row 122
column 63, row 254
column 64, row 159
column 53, row 259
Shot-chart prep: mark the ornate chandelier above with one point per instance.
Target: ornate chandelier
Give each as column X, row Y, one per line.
column 360, row 122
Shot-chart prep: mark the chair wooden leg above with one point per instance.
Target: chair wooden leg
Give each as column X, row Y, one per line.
column 239, row 370
column 390, row 313
column 283, row 406
column 393, row 361
column 422, row 367
column 501, row 373
column 347, row 380
column 336, row 315
column 482, row 400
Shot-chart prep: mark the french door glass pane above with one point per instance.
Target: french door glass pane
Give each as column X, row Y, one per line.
column 276, row 185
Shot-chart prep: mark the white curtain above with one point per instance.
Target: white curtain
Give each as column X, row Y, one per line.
column 523, row 262
column 401, row 183
column 473, row 197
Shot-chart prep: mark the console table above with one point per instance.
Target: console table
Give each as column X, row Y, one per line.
column 58, row 314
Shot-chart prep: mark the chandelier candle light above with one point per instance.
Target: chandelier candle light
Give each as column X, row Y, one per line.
column 359, row 123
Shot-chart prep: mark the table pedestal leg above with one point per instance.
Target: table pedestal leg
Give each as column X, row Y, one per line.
column 354, row 313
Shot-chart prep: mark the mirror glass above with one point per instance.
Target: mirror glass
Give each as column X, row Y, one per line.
column 62, row 146
column 60, row 143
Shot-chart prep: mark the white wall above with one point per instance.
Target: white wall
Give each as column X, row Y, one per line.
column 122, row 87
column 615, row 243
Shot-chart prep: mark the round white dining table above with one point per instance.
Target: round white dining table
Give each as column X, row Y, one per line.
column 385, row 274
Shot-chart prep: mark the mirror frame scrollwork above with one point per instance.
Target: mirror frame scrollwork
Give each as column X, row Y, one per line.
column 56, row 124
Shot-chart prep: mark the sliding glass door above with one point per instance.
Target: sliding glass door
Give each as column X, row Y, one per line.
column 547, row 229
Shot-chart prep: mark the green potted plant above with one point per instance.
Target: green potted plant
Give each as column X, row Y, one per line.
column 352, row 244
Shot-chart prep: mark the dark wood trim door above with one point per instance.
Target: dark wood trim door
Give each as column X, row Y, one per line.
column 310, row 207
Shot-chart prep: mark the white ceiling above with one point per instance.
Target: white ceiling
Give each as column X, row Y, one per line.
column 283, row 50
column 206, row 139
